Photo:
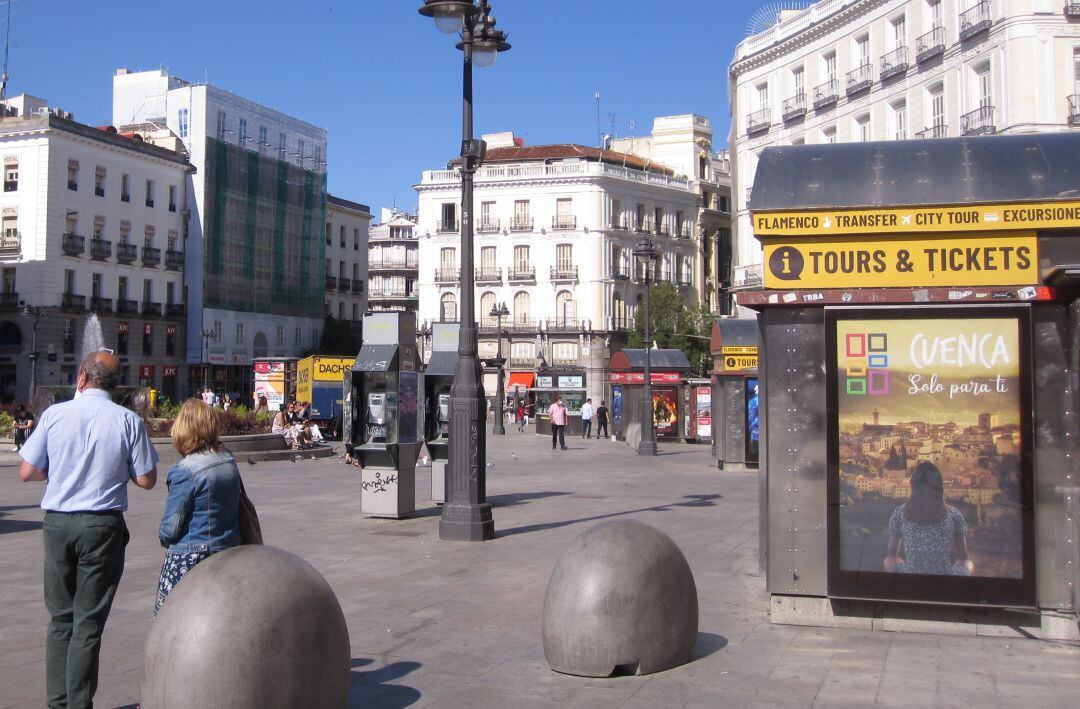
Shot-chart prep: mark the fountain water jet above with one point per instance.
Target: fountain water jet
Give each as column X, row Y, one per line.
column 92, row 340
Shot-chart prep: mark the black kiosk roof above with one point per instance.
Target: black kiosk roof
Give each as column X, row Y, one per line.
column 633, row 360
column 946, row 171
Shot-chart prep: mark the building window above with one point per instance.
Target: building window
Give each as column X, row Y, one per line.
column 828, row 134
column 341, row 236
column 125, row 232
column 934, row 14
column 182, row 122
column 564, row 353
column 99, row 181
column 862, row 128
column 11, row 177
column 984, row 89
column 242, row 136
column 488, row 260
column 264, row 142
column 564, row 214
column 356, row 239
column 148, row 237
column 221, row 118
column 9, row 280
column 329, row 238
column 899, row 120
column 239, row 333
column 280, row 341
column 148, row 339
column 522, row 220
column 73, row 175
column 565, row 308
column 125, row 188
column 521, row 308
column 564, row 257
column 523, row 353
column 170, row 340
column 121, row 338
column 355, row 312
column 521, row 259
column 69, row 338
column 830, row 67
column 862, row 50
column 172, row 198
column 761, row 92
column 798, row 83
column 898, row 36
column 170, row 293
column 447, row 308
column 282, row 153
column 69, row 281
column 300, row 153
column 449, row 217
column 149, row 193
column 936, row 105
column 121, row 288
column 341, row 310
column 616, row 214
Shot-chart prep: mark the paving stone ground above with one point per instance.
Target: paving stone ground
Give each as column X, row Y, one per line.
column 458, row 624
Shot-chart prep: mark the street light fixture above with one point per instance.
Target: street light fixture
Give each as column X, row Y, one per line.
column 206, row 335
column 499, row 312
column 37, row 313
column 466, row 515
column 647, row 252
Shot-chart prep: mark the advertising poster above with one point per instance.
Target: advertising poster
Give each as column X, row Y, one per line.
column 408, row 384
column 616, row 407
column 753, row 420
column 666, row 412
column 703, row 410
column 930, row 491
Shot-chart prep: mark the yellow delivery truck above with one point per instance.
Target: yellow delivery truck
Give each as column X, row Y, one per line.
column 318, row 380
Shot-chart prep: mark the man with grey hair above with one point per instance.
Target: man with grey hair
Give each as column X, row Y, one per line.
column 86, row 451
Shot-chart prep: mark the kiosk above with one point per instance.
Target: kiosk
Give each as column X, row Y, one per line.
column 382, row 418
column 668, row 370
column 567, row 383
column 438, row 378
column 920, row 331
column 734, row 346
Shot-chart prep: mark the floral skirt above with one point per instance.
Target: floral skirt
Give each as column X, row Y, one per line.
column 173, row 569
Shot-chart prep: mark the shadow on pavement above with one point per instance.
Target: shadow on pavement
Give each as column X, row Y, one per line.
column 517, row 498
column 707, row 644
column 9, row 526
column 688, row 501
column 370, row 688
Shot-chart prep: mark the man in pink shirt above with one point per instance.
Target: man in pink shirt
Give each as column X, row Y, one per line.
column 557, row 414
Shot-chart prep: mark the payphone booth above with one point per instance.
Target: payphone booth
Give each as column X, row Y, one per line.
column 438, row 378
column 383, row 414
column 734, row 347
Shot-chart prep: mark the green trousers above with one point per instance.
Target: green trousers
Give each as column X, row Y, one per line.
column 84, row 560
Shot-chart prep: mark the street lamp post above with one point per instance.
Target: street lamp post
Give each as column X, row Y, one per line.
column 499, row 312
column 466, row 515
column 206, row 335
column 648, row 253
column 37, row 313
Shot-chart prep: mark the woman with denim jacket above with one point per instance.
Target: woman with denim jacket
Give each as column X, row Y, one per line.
column 201, row 514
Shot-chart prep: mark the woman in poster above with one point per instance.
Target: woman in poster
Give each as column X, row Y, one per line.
column 926, row 535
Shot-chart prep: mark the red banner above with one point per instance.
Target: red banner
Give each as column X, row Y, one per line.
column 122, row 328
column 147, row 329
column 146, row 371
column 170, row 329
column 168, row 371
column 639, row 377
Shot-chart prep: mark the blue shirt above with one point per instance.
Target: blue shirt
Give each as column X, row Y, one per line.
column 90, row 447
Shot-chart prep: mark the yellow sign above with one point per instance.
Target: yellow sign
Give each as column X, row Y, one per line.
column 938, row 260
column 332, row 369
column 736, row 363
column 743, row 350
column 994, row 217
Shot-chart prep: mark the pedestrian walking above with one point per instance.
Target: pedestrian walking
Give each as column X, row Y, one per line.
column 201, row 514
column 557, row 415
column 21, row 426
column 86, row 450
column 521, row 417
column 601, row 420
column 586, row 419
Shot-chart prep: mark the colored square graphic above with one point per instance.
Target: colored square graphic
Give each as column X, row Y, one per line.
column 856, row 345
column 856, row 385
column 856, row 369
column 878, row 361
column 877, row 342
column 878, row 382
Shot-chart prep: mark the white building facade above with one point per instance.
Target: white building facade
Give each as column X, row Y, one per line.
column 255, row 258
column 347, row 229
column 861, row 70
column 555, row 228
column 83, row 237
column 393, row 263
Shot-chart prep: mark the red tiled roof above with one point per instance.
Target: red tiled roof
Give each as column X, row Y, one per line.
column 536, row 153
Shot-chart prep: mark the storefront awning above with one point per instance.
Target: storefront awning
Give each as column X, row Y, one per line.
column 520, row 379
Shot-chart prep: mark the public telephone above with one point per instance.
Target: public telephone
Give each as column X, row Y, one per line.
column 376, row 417
column 444, row 416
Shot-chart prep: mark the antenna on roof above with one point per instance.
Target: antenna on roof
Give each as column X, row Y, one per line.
column 7, row 43
column 599, row 135
column 769, row 15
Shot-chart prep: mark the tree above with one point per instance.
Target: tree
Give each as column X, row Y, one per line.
column 675, row 326
column 339, row 337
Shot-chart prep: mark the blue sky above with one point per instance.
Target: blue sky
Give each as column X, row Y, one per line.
column 383, row 81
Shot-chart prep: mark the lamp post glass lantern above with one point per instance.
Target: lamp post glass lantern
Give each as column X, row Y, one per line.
column 648, row 253
column 466, row 515
column 499, row 312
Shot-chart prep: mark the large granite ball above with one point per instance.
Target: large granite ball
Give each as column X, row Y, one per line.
column 252, row 626
column 621, row 599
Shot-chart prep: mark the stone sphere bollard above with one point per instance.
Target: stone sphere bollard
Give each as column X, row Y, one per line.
column 620, row 599
column 252, row 626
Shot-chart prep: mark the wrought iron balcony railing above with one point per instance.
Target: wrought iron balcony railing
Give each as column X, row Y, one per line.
column 489, row 225
column 487, row 275
column 894, row 63
column 1072, row 9
column 447, row 275
column 521, row 224
column 620, row 273
column 10, row 242
column 126, row 253
column 758, row 121
column 151, row 256
column 73, row 244
column 938, row 130
column 100, row 249
column 978, row 122
column 826, row 94
column 564, row 273
column 795, row 107
column 331, row 283
column 175, row 310
column 974, row 20
column 344, row 285
column 860, row 78
column 101, row 305
column 564, row 222
column 930, row 45
column 564, row 324
column 9, row 300
column 522, row 273
column 446, row 227
column 617, row 224
column 149, row 307
column 357, row 286
column 1074, row 110
column 126, row 306
column 174, row 260
column 73, row 301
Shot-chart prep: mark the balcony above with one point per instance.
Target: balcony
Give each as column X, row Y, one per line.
column 447, row 275
column 10, row 242
column 174, row 260
column 357, row 287
column 488, row 225
column 685, row 280
column 446, row 227
column 99, row 191
column 930, row 45
column 149, row 201
column 894, row 63
column 487, row 275
column 758, row 121
column 795, row 107
column 150, row 308
column 826, row 94
column 344, row 285
column 522, row 324
column 72, row 301
column 100, row 249
column 978, row 122
column 9, row 300
column 151, row 256
column 11, row 185
column 564, row 324
column 73, row 185
column 684, row 231
column 175, row 310
column 660, row 230
column 126, row 253
column 522, row 274
column 1072, row 9
column 125, row 196
column 563, row 222
column 643, row 226
column 101, row 305
column 1074, row 110
column 975, row 20
column 389, row 264
column 73, row 244
column 938, row 130
column 620, row 273
column 568, row 274
column 617, row 224
column 860, row 79
column 125, row 306
column 331, row 283
column 521, row 224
